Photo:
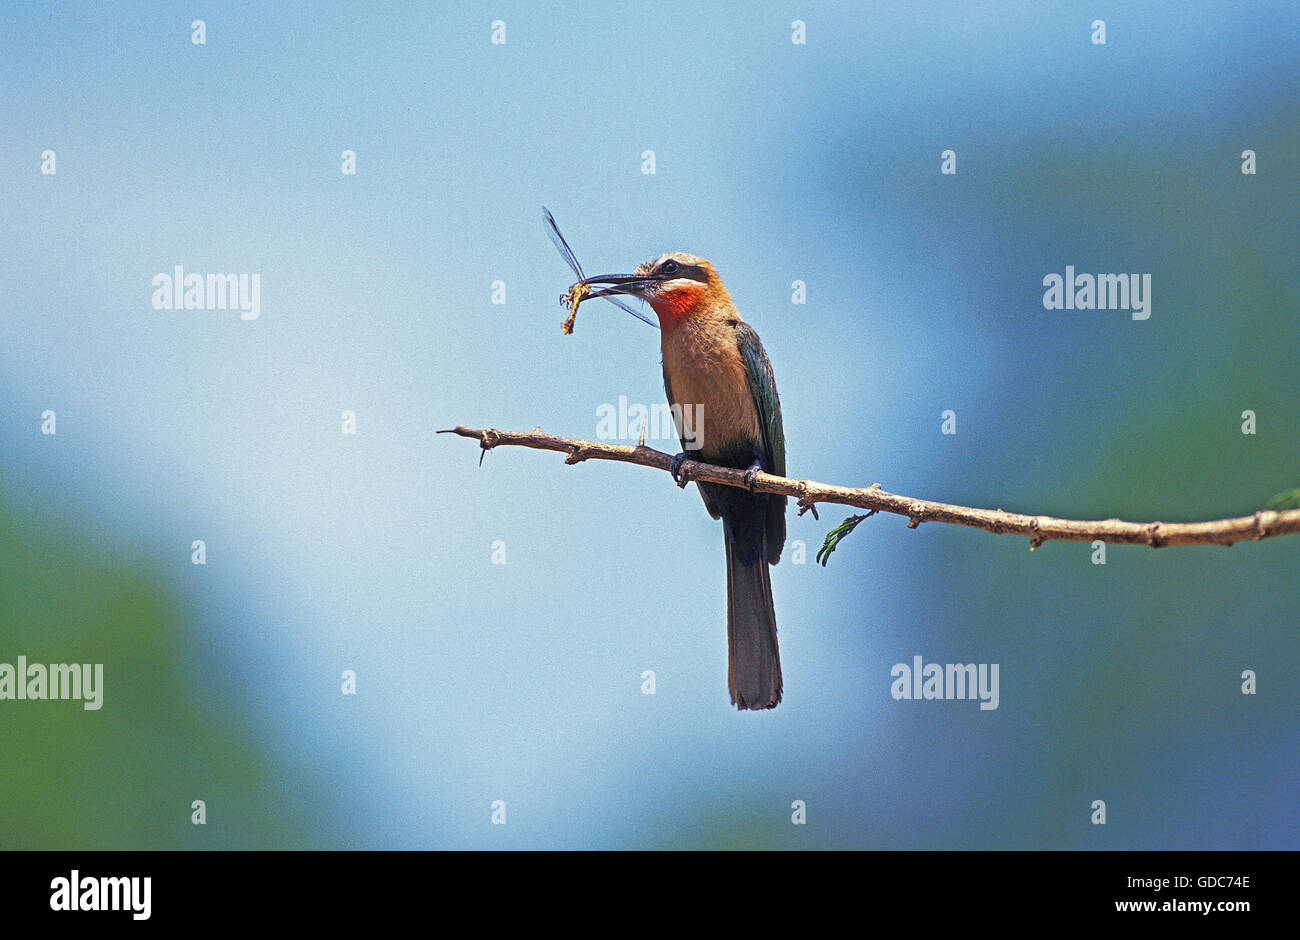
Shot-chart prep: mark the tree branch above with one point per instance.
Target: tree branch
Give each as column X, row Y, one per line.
column 807, row 493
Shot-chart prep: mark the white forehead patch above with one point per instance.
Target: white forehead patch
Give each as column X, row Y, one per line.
column 681, row 257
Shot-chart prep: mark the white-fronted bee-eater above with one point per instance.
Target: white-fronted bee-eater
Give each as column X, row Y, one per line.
column 724, row 399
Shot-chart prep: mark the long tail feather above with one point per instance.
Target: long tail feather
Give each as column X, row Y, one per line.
column 754, row 664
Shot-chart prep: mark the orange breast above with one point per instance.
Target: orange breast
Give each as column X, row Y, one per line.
column 707, row 375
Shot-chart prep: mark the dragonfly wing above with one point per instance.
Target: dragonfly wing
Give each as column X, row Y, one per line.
column 553, row 231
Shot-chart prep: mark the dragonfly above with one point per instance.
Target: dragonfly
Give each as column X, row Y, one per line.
column 566, row 253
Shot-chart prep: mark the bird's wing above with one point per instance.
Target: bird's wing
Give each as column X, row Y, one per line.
column 762, row 386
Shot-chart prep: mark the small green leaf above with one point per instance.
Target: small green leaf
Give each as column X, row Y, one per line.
column 1287, row 499
column 834, row 535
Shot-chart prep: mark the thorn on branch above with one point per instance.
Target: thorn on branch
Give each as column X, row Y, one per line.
column 806, row 502
column 1036, row 539
column 489, row 439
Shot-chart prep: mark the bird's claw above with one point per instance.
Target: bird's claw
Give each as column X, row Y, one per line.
column 675, row 469
column 751, row 475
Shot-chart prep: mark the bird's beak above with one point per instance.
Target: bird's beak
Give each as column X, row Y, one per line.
column 632, row 284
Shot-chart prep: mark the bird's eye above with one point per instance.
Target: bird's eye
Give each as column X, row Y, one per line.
column 669, row 267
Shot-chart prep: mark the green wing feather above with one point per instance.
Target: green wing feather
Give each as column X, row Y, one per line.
column 762, row 386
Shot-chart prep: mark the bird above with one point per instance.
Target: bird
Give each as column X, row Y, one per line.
column 724, row 401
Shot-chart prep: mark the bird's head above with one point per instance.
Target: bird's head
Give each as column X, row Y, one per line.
column 676, row 285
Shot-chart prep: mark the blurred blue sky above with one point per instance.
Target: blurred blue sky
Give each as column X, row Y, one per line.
column 777, row 162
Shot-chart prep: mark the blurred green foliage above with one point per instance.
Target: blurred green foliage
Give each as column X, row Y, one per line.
column 125, row 776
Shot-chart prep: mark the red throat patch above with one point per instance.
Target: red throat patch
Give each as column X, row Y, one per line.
column 675, row 305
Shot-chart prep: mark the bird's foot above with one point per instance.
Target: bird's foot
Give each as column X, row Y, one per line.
column 751, row 475
column 675, row 469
